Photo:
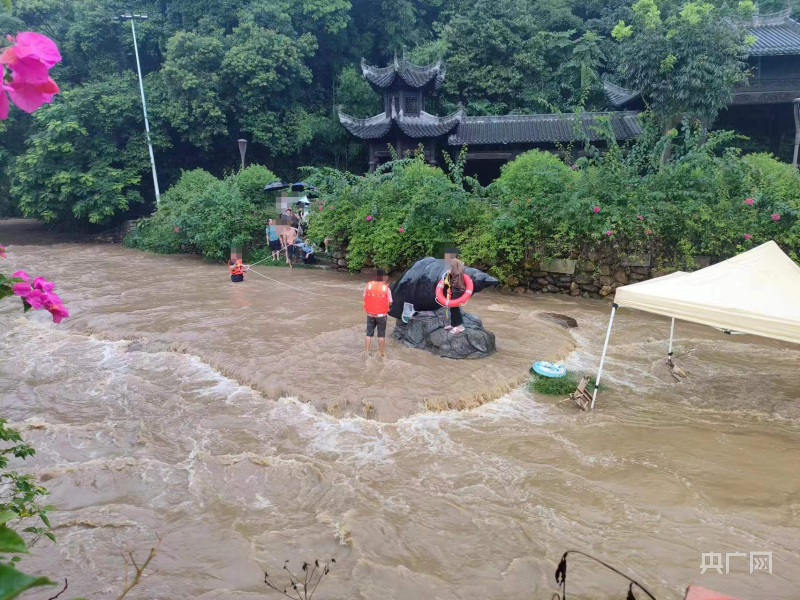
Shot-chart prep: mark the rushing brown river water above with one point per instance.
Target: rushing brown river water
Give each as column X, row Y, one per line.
column 230, row 421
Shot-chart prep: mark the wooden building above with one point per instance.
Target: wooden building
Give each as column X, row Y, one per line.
column 761, row 108
column 491, row 141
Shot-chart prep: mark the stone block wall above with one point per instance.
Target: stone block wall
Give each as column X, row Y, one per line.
column 590, row 275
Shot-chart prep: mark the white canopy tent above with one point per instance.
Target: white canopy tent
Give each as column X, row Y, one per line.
column 756, row 292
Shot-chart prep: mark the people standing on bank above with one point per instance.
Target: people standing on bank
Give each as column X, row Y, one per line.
column 288, row 235
column 273, row 239
column 454, row 287
column 377, row 300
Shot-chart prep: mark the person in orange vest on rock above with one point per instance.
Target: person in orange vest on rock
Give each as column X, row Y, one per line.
column 377, row 300
column 236, row 267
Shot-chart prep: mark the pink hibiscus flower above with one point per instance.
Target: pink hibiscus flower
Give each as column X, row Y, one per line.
column 747, row 236
column 749, row 201
column 596, row 209
column 369, row 217
column 400, row 229
column 775, row 216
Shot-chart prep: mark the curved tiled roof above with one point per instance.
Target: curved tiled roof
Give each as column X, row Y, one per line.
column 366, row 129
column 618, row 95
column 423, row 126
column 414, row 75
column 510, row 129
column 775, row 37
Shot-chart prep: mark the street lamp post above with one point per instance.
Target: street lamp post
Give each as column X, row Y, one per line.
column 242, row 149
column 129, row 16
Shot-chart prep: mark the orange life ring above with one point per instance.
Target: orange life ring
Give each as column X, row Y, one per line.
column 458, row 301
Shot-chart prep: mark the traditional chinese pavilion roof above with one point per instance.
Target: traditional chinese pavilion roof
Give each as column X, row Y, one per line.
column 423, row 126
column 618, row 95
column 776, row 35
column 510, row 129
column 413, row 75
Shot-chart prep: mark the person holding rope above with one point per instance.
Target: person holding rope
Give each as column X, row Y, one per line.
column 236, row 267
column 454, row 287
column 288, row 235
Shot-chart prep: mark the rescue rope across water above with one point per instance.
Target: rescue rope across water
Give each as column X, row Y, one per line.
column 326, row 296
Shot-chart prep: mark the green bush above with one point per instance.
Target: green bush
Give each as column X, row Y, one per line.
column 561, row 386
column 208, row 215
column 393, row 217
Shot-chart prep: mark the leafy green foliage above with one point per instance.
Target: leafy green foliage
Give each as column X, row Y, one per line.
column 367, row 215
column 85, row 159
column 14, row 582
column 561, row 386
column 686, row 64
column 207, row 214
column 707, row 200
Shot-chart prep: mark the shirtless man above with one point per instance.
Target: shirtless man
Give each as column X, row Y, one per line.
column 287, row 235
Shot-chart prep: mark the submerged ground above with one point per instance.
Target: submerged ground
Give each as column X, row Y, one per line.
column 167, row 405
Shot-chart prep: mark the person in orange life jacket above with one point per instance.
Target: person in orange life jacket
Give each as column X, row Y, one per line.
column 377, row 300
column 236, row 268
column 455, row 286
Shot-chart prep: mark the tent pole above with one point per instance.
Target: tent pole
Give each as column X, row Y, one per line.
column 671, row 333
column 603, row 356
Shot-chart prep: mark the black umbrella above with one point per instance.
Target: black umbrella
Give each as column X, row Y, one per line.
column 302, row 186
column 275, row 186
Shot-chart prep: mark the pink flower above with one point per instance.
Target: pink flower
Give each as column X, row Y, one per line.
column 640, row 217
column 29, row 60
column 749, row 201
column 40, row 284
column 747, row 236
column 596, row 209
column 22, row 289
column 775, row 216
column 35, row 47
column 401, row 230
column 2, row 251
column 369, row 217
column 176, row 229
column 59, row 312
column 21, row 275
column 330, row 207
column 609, row 232
column 574, row 167
column 321, row 207
column 649, row 232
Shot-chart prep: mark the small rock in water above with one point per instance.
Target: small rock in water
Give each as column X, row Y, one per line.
column 563, row 320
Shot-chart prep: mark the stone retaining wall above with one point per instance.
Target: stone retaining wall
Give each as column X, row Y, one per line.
column 590, row 275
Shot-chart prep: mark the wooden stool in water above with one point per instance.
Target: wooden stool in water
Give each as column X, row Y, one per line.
column 581, row 397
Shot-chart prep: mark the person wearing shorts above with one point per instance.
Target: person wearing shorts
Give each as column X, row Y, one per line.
column 377, row 300
column 273, row 239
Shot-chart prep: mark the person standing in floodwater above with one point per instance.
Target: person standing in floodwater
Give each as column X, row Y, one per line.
column 236, row 267
column 377, row 300
column 454, row 287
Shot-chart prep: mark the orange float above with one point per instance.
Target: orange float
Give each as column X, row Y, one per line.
column 449, row 302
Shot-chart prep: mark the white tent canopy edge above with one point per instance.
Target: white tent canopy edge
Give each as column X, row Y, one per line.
column 756, row 292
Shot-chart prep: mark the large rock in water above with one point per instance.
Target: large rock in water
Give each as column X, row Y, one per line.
column 427, row 332
column 417, row 286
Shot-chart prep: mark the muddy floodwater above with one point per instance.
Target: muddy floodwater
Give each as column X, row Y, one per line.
column 241, row 425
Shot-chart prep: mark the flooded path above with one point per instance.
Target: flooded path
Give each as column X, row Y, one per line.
column 216, row 417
